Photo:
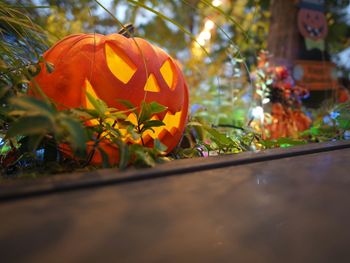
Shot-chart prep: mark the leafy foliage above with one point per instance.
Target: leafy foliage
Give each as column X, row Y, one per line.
column 38, row 126
column 282, row 142
column 330, row 124
column 201, row 139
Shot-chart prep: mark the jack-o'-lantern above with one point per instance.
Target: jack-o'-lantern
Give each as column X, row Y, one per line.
column 312, row 24
column 113, row 68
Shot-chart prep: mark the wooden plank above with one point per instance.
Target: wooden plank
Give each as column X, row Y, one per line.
column 292, row 209
column 97, row 178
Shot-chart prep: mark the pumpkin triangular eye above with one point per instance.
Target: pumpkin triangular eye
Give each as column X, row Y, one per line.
column 119, row 64
column 169, row 74
column 152, row 84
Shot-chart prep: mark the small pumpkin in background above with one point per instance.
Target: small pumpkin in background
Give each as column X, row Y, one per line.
column 112, row 68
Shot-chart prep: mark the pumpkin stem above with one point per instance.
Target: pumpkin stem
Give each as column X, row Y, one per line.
column 127, row 30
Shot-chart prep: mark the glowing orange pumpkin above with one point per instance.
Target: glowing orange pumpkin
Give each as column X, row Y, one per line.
column 114, row 67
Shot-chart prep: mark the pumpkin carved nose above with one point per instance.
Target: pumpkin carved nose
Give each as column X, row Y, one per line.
column 152, row 84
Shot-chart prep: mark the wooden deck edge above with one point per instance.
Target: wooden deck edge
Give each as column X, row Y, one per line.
column 14, row 190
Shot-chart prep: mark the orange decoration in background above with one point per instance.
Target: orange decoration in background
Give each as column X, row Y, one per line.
column 285, row 118
column 114, row 67
column 343, row 95
column 315, row 75
column 312, row 24
column 286, row 122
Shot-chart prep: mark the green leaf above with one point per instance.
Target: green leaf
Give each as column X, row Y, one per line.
column 344, row 123
column 126, row 125
column 314, row 131
column 127, row 104
column 240, row 60
column 159, row 146
column 190, row 153
column 269, row 143
column 85, row 114
column 343, row 119
column 113, row 131
column 261, row 74
column 148, row 110
column 194, row 123
column 94, row 114
column 207, row 146
column 260, row 92
column 282, row 142
column 148, row 125
column 145, row 113
column 105, row 158
column 124, row 154
column 142, row 157
column 33, row 106
column 117, row 115
column 77, row 136
column 134, row 135
column 99, row 105
column 31, row 125
column 4, row 149
column 290, row 141
column 221, row 138
column 269, row 81
column 155, row 107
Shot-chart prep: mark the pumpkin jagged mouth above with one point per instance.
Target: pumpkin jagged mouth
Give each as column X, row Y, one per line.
column 171, row 125
column 171, row 121
column 313, row 32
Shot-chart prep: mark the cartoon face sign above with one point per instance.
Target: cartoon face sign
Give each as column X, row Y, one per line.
column 312, row 24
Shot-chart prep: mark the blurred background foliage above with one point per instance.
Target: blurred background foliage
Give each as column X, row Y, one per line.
column 240, row 31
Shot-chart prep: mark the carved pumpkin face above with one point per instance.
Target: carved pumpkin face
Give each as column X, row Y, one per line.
column 114, row 67
column 312, row 24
